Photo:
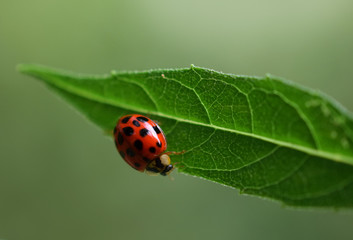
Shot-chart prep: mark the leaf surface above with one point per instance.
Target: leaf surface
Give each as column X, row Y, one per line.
column 264, row 136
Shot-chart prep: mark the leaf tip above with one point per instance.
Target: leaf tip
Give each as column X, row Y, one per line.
column 28, row 68
column 21, row 68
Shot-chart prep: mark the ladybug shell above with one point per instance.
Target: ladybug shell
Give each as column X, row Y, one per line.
column 139, row 140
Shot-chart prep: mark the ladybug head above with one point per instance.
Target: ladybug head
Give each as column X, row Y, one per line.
column 160, row 165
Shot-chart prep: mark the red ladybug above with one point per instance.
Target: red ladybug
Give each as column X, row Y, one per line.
column 141, row 143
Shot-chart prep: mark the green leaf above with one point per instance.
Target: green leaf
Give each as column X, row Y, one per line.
column 264, row 136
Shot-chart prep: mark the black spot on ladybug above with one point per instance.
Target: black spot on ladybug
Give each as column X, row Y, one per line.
column 137, row 164
column 136, row 123
column 120, row 138
column 115, row 130
column 156, row 128
column 152, row 149
column 138, row 144
column 142, row 119
column 122, row 154
column 116, row 143
column 126, row 119
column 146, row 159
column 130, row 152
column 159, row 163
column 143, row 132
column 159, row 144
column 128, row 131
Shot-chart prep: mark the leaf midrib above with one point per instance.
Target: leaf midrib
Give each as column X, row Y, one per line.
column 89, row 95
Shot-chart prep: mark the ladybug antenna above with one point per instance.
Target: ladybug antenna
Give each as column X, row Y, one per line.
column 171, row 178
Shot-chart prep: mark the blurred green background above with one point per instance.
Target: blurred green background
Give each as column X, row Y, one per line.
column 61, row 178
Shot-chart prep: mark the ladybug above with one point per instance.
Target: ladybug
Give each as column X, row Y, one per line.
column 141, row 143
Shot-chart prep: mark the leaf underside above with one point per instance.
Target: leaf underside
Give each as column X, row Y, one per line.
column 263, row 136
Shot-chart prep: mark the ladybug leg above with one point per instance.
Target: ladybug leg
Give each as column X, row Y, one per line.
column 155, row 121
column 175, row 153
column 158, row 122
column 171, row 178
column 176, row 164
